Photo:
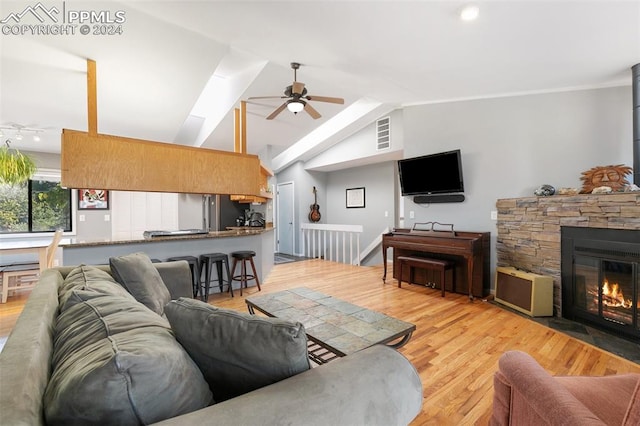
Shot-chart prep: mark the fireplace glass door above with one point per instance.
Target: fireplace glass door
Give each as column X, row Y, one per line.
column 601, row 278
column 605, row 288
column 616, row 291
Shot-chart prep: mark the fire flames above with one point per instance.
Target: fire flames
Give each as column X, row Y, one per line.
column 612, row 296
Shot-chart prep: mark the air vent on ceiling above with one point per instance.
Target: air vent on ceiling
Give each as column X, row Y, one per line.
column 383, row 132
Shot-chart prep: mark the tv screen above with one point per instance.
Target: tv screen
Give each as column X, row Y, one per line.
column 431, row 174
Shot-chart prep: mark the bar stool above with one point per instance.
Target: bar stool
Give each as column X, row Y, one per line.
column 244, row 256
column 195, row 271
column 206, row 265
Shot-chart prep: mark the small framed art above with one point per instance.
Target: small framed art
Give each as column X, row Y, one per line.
column 93, row 199
column 355, row 198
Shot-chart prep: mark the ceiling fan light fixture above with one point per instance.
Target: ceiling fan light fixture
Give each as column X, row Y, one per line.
column 295, row 106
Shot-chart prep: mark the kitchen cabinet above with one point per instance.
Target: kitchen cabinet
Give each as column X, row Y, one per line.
column 263, row 187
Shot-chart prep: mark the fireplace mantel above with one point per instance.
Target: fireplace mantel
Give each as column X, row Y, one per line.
column 529, row 228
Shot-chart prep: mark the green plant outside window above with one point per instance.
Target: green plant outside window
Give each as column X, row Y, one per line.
column 34, row 206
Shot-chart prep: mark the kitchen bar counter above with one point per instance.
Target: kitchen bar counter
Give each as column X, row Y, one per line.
column 260, row 240
column 229, row 233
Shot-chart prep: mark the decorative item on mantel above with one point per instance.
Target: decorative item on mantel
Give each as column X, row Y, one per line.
column 605, row 179
column 544, row 190
column 568, row 191
column 602, row 190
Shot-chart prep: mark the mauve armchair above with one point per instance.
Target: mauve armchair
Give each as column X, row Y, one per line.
column 525, row 394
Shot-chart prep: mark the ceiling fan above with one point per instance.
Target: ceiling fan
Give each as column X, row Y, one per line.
column 298, row 99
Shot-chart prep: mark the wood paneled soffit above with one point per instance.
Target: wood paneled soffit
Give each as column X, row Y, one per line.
column 120, row 163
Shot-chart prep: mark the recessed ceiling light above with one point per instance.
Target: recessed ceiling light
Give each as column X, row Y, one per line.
column 469, row 13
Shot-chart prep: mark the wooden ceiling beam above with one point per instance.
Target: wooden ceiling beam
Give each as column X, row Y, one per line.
column 236, row 130
column 92, row 98
column 243, row 127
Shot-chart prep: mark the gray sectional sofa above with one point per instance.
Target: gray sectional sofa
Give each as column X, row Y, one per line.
column 163, row 370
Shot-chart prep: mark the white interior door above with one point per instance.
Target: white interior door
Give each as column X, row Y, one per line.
column 285, row 225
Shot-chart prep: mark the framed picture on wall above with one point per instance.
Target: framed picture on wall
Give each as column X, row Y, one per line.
column 93, row 199
column 355, row 198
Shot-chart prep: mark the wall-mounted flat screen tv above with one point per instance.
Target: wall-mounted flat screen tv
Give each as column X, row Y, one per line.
column 439, row 173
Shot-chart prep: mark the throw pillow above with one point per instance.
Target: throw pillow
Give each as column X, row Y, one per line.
column 117, row 363
column 238, row 352
column 137, row 274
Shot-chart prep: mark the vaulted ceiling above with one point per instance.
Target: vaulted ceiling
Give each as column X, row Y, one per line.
column 179, row 68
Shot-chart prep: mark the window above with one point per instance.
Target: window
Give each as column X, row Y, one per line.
column 34, row 206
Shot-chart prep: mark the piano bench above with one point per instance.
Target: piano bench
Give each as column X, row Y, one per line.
column 438, row 265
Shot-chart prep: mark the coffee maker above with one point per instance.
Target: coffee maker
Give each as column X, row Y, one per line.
column 256, row 220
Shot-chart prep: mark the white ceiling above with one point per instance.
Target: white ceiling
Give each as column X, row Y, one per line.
column 386, row 53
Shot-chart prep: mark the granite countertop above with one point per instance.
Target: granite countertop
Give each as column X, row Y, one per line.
column 243, row 232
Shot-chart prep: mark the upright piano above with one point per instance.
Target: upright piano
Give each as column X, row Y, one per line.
column 471, row 252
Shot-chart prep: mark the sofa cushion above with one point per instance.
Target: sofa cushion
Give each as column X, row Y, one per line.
column 88, row 317
column 238, row 352
column 137, row 274
column 91, row 278
column 117, row 363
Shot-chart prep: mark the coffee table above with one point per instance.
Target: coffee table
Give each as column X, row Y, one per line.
column 334, row 327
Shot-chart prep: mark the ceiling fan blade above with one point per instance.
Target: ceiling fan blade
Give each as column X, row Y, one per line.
column 266, row 97
column 326, row 99
column 277, row 111
column 297, row 87
column 312, row 111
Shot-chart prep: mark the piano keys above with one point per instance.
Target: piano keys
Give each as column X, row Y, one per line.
column 471, row 251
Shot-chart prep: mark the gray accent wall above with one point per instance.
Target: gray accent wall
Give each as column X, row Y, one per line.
column 378, row 181
column 512, row 145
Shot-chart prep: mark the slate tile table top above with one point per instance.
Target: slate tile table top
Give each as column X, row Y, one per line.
column 334, row 327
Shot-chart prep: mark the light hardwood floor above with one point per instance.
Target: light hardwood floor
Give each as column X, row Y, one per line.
column 455, row 347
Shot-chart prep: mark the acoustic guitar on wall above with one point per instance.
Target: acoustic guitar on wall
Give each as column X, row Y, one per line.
column 314, row 214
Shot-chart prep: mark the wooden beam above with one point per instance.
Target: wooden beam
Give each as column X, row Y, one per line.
column 92, row 98
column 236, row 130
column 120, row 163
column 243, row 127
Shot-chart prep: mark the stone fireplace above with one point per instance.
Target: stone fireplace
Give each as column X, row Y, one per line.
column 530, row 234
column 589, row 244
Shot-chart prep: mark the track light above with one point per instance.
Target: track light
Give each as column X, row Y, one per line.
column 17, row 132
